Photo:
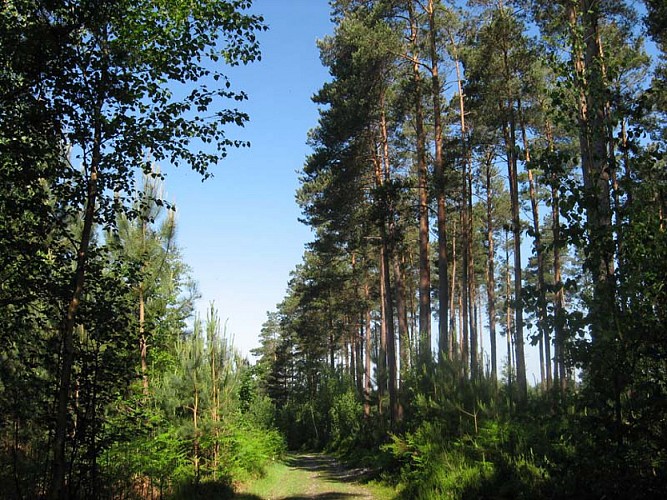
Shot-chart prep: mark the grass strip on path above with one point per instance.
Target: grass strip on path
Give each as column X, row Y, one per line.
column 313, row 476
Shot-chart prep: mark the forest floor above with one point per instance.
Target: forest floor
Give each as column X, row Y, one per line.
column 313, row 476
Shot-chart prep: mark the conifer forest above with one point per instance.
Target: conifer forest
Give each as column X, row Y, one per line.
column 487, row 178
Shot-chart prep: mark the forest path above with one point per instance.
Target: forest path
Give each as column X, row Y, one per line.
column 313, row 476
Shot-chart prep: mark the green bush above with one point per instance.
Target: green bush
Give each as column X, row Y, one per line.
column 482, row 465
column 246, row 449
column 346, row 416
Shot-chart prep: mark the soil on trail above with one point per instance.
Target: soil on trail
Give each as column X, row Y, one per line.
column 312, row 476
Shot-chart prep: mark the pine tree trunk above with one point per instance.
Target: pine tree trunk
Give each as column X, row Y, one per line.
column 382, row 357
column 465, row 283
column 508, row 316
column 422, row 172
column 443, row 264
column 391, row 341
column 559, row 335
column 332, row 341
column 545, row 339
column 518, row 286
column 559, row 372
column 465, row 229
column 480, row 321
column 383, row 175
column 352, row 346
column 468, row 343
column 359, row 355
column 508, row 112
column 490, row 274
column 367, row 368
column 461, row 356
column 474, row 333
column 403, row 334
column 509, row 131
column 453, row 333
column 474, row 360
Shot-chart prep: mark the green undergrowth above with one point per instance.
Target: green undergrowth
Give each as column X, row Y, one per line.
column 473, row 466
column 472, row 440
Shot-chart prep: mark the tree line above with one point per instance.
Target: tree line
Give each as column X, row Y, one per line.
column 480, row 171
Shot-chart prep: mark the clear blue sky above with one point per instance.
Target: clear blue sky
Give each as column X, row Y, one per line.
column 239, row 230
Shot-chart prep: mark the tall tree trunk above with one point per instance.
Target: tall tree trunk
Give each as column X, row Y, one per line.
column 474, row 360
column 508, row 316
column 345, row 355
column 490, row 271
column 480, row 321
column 443, row 264
column 352, row 348
column 559, row 299
column 332, row 339
column 367, row 366
column 384, row 289
column 464, row 360
column 389, row 246
column 545, row 339
column 402, row 311
column 412, row 287
column 559, row 335
column 384, row 327
column 359, row 357
column 403, row 331
column 424, row 264
column 465, row 281
column 474, row 332
column 559, row 371
column 518, row 285
column 391, row 341
column 453, row 333
column 465, row 221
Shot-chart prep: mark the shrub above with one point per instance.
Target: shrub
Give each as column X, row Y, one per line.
column 346, row 416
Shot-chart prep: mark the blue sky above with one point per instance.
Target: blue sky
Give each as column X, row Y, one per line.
column 239, row 230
